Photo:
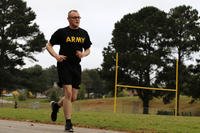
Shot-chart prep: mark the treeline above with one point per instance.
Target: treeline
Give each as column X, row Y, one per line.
column 40, row 80
column 34, row 79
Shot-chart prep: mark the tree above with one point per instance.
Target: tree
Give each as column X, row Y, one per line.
column 50, row 75
column 37, row 79
column 185, row 33
column 193, row 83
column 167, row 79
column 184, row 36
column 19, row 36
column 86, row 82
column 92, row 82
column 108, row 69
column 33, row 79
column 140, row 38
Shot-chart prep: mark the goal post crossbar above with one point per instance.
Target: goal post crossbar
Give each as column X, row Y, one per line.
column 145, row 88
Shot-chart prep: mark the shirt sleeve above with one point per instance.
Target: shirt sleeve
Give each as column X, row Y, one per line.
column 87, row 43
column 55, row 38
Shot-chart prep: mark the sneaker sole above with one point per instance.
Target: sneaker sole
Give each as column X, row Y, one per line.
column 69, row 130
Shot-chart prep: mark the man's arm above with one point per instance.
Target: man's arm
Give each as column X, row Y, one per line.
column 58, row 57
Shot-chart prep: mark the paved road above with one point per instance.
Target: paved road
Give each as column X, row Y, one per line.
column 8, row 126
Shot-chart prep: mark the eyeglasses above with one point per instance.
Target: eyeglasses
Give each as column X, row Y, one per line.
column 76, row 17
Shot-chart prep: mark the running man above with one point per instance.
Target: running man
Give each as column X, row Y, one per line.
column 74, row 45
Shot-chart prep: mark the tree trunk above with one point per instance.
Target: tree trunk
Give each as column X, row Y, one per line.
column 180, row 78
column 145, row 95
column 146, row 104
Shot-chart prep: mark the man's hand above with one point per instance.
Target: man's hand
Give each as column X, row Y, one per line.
column 60, row 58
column 82, row 54
column 79, row 54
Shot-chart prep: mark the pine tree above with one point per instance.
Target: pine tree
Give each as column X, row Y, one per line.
column 20, row 37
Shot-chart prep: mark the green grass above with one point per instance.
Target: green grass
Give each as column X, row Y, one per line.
column 98, row 113
column 127, row 122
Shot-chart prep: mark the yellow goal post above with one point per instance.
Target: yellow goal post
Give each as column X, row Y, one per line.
column 146, row 88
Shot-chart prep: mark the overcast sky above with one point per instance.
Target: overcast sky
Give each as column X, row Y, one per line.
column 97, row 17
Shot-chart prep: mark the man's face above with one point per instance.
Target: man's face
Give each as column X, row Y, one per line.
column 74, row 19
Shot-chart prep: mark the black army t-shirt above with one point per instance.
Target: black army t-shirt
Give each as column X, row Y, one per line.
column 71, row 40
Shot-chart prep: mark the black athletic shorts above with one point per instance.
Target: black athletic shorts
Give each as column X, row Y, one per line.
column 69, row 74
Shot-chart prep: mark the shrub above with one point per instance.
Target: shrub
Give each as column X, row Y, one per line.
column 22, row 97
column 81, row 92
column 54, row 96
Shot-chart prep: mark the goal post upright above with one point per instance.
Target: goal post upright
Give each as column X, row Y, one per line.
column 116, row 77
column 177, row 91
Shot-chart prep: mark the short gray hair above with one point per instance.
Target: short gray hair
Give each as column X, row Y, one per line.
column 72, row 11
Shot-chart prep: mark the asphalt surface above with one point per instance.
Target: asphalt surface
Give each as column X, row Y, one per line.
column 9, row 126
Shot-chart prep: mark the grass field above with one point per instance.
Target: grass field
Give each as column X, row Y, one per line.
column 124, row 122
column 98, row 114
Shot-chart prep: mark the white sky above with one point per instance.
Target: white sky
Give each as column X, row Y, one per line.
column 98, row 18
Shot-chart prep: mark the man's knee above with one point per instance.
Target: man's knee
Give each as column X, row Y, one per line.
column 74, row 94
column 71, row 98
column 68, row 91
column 68, row 96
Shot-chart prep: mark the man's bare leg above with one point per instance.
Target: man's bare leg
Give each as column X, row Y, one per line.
column 66, row 101
column 74, row 94
column 67, row 104
column 60, row 102
column 74, row 97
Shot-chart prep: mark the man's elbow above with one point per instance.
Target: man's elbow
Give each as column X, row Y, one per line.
column 48, row 45
column 88, row 51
